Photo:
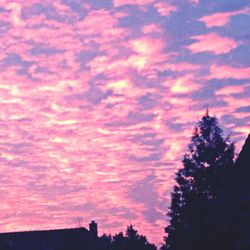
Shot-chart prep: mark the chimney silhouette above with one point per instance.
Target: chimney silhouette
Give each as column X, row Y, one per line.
column 93, row 229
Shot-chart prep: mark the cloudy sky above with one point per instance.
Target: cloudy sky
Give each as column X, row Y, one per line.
column 98, row 100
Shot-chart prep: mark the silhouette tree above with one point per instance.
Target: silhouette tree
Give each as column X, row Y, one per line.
column 207, row 164
column 136, row 241
column 131, row 241
column 105, row 242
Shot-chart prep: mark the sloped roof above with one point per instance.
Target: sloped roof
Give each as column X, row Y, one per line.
column 59, row 239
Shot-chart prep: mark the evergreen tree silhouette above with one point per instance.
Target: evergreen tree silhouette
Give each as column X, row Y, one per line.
column 136, row 241
column 131, row 241
column 105, row 242
column 206, row 166
column 119, row 242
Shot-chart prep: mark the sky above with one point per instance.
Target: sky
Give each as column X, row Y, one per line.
column 98, row 100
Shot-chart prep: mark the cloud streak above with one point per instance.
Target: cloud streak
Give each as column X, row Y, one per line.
column 204, row 43
column 221, row 19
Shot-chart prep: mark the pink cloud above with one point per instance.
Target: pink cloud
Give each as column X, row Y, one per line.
column 183, row 85
column 212, row 42
column 118, row 3
column 235, row 102
column 225, row 71
column 229, row 90
column 179, row 67
column 101, row 22
column 222, row 18
column 164, row 8
column 244, row 130
column 15, row 9
column 151, row 28
column 146, row 52
column 194, row 1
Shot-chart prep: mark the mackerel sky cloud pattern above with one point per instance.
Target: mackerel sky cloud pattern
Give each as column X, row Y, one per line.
column 98, row 100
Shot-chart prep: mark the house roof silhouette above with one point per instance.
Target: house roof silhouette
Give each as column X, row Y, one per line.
column 57, row 239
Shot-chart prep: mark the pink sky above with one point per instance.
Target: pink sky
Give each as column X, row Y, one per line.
column 98, row 100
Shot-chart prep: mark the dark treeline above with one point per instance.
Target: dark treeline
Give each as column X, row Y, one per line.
column 130, row 241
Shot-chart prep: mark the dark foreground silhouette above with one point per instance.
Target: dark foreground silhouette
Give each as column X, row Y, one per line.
column 74, row 239
column 61, row 239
